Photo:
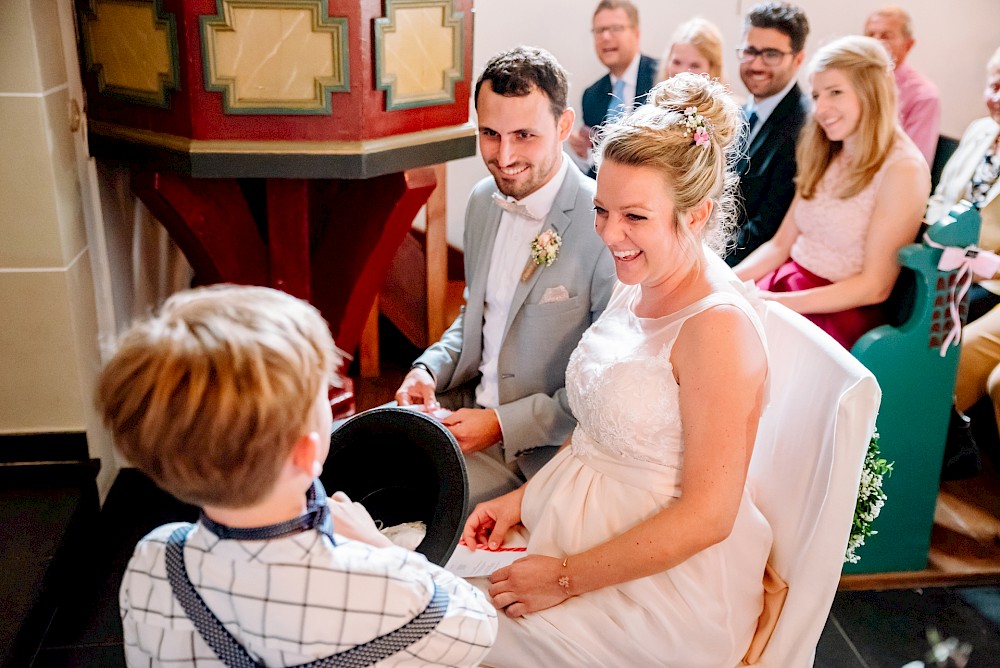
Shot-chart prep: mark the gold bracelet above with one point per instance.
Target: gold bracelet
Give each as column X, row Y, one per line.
column 563, row 580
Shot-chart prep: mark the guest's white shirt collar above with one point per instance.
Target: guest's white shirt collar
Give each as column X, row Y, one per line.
column 631, row 73
column 766, row 107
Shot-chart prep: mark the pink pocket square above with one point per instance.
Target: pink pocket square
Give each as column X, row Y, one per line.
column 556, row 294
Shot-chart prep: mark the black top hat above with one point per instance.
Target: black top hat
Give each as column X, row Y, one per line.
column 403, row 466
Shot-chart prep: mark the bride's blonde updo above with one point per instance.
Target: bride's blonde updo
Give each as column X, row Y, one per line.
column 661, row 134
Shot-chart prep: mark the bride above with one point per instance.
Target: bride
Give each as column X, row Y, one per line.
column 645, row 547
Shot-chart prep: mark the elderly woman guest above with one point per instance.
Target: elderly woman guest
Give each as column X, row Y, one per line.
column 696, row 46
column 860, row 192
column 616, row 552
column 972, row 174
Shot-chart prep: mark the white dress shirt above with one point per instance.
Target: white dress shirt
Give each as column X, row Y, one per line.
column 511, row 252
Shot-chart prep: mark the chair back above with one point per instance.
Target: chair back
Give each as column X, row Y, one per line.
column 918, row 384
column 945, row 147
column 805, row 472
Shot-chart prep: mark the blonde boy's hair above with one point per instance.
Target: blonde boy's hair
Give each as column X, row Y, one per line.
column 868, row 68
column 208, row 396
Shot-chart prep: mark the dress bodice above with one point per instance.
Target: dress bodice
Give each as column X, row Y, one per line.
column 832, row 229
column 620, row 380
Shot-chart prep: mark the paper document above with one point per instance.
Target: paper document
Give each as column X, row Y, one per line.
column 468, row 564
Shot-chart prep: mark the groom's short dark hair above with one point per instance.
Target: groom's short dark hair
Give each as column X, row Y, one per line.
column 517, row 72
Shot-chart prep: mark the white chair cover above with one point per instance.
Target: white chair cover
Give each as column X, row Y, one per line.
column 805, row 472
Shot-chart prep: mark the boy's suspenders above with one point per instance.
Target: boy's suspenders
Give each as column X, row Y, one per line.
column 234, row 655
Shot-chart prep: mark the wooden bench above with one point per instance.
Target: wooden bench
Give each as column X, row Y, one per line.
column 918, row 384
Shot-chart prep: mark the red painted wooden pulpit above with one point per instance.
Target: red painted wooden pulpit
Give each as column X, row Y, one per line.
column 285, row 143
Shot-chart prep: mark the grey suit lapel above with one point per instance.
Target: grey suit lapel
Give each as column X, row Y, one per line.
column 559, row 220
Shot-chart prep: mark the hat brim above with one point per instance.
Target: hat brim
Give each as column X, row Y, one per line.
column 403, row 466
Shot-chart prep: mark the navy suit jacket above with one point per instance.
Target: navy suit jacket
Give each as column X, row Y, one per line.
column 766, row 175
column 596, row 98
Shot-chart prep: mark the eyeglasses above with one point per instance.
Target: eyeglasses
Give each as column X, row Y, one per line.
column 614, row 30
column 747, row 54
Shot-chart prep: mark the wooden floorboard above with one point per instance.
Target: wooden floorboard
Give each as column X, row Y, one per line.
column 965, row 540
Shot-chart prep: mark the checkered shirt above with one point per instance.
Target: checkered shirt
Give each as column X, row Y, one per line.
column 295, row 599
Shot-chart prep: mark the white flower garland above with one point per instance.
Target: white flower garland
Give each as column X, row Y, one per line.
column 871, row 498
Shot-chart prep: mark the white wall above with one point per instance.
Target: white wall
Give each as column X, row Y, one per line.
column 954, row 40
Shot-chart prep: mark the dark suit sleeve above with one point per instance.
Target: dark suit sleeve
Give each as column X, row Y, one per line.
column 780, row 189
column 767, row 187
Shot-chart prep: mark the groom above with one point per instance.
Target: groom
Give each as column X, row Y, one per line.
column 501, row 365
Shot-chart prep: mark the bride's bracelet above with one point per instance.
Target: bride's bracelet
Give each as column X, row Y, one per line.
column 563, row 580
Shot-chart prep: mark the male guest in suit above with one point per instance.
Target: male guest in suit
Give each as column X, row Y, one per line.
column 773, row 38
column 918, row 102
column 630, row 74
column 501, row 365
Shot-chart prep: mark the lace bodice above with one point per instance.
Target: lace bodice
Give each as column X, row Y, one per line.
column 620, row 380
column 833, row 231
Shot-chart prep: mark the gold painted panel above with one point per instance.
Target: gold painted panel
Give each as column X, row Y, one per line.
column 419, row 52
column 132, row 48
column 269, row 57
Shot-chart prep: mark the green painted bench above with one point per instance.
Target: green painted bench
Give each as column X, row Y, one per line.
column 917, row 387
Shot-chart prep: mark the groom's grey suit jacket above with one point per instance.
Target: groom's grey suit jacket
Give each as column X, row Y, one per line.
column 538, row 338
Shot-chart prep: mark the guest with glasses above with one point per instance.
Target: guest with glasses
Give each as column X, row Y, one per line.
column 630, row 75
column 770, row 55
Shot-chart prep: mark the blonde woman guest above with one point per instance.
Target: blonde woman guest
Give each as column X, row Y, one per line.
column 696, row 46
column 972, row 174
column 617, row 555
column 860, row 191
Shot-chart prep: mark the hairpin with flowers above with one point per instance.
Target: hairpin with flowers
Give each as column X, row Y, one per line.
column 697, row 127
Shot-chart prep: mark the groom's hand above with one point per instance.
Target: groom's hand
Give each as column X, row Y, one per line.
column 417, row 388
column 475, row 429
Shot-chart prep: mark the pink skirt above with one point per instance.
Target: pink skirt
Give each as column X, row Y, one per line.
column 845, row 326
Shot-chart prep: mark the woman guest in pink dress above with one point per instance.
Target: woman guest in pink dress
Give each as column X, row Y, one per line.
column 861, row 188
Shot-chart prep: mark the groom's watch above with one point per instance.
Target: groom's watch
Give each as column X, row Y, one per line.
column 421, row 365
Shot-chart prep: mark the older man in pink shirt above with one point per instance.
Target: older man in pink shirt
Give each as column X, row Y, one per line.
column 919, row 104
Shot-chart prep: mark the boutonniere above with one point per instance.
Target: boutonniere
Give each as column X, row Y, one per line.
column 544, row 251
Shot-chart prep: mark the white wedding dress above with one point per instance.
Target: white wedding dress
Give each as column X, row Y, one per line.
column 624, row 466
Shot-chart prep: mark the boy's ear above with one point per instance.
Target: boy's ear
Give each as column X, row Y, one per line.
column 304, row 452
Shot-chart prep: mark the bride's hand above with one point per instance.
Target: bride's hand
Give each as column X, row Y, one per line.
column 528, row 585
column 490, row 521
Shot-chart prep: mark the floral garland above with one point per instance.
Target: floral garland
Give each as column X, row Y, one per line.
column 871, row 498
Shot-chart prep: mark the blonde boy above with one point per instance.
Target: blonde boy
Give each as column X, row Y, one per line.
column 221, row 398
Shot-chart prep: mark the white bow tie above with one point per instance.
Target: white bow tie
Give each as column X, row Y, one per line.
column 514, row 207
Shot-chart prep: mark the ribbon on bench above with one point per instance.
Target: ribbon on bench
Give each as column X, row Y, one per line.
column 970, row 261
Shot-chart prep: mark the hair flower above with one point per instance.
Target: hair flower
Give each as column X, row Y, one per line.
column 544, row 251
column 701, row 137
column 697, row 127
